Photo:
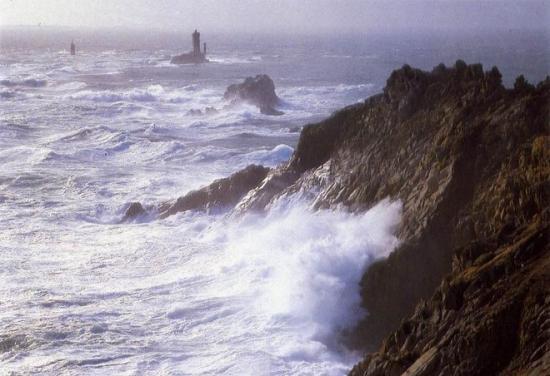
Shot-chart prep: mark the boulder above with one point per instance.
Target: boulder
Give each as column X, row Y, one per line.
column 194, row 112
column 259, row 91
column 134, row 210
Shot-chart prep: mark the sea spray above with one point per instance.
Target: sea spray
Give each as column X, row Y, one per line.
column 300, row 270
column 195, row 293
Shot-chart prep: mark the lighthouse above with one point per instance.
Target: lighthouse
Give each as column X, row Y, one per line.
column 196, row 56
column 73, row 48
column 196, row 43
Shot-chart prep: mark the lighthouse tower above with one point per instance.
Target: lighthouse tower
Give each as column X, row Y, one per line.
column 195, row 56
column 73, row 48
column 196, row 43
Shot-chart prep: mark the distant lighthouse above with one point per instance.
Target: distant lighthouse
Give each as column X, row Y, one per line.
column 196, row 56
column 73, row 48
column 196, row 43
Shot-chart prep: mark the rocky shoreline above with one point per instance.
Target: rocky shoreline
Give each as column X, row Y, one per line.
column 466, row 292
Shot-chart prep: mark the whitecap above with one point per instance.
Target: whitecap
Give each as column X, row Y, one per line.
column 269, row 158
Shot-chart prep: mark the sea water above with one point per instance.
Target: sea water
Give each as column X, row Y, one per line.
column 83, row 136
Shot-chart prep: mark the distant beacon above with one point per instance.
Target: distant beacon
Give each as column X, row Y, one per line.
column 73, row 48
column 196, row 43
column 195, row 56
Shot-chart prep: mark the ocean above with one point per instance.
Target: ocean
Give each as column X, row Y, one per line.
column 81, row 137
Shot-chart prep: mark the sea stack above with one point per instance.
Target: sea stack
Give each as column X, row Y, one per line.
column 195, row 56
column 259, row 91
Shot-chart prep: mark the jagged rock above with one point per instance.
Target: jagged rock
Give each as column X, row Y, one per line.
column 194, row 112
column 134, row 210
column 207, row 111
column 501, row 327
column 522, row 85
column 270, row 111
column 210, row 110
column 468, row 159
column 259, row 91
column 220, row 194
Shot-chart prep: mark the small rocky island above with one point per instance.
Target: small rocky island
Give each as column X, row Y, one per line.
column 467, row 292
column 258, row 91
column 195, row 56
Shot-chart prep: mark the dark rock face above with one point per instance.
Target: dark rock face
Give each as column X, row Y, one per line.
column 489, row 316
column 259, row 91
column 222, row 193
column 134, row 210
column 188, row 58
column 194, row 112
column 468, row 159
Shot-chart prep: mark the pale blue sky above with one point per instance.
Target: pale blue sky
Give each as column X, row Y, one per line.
column 279, row 15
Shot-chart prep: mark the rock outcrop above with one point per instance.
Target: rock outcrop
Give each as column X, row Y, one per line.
column 259, row 91
column 221, row 194
column 134, row 210
column 466, row 292
column 490, row 316
column 455, row 146
column 189, row 58
column 469, row 160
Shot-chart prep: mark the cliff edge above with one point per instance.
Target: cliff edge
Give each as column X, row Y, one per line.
column 466, row 292
column 469, row 160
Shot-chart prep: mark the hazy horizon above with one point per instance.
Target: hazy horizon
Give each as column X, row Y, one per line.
column 280, row 16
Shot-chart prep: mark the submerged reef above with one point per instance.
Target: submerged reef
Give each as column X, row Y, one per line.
column 467, row 290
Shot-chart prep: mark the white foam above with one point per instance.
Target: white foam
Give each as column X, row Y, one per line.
column 194, row 293
column 309, row 264
column 74, row 85
column 229, row 60
column 149, row 94
column 269, row 158
column 153, row 93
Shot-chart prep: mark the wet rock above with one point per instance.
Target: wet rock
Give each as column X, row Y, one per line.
column 221, row 194
column 259, row 91
column 210, row 110
column 270, row 111
column 14, row 342
column 496, row 330
column 134, row 210
column 194, row 112
column 467, row 159
column 294, row 129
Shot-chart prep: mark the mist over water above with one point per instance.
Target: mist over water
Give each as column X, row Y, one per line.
column 81, row 137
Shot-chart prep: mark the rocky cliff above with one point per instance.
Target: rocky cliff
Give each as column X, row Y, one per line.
column 469, row 160
column 466, row 292
column 490, row 315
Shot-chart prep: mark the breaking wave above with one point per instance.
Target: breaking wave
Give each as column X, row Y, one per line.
column 152, row 93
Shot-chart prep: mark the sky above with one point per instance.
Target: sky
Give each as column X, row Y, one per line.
column 281, row 15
